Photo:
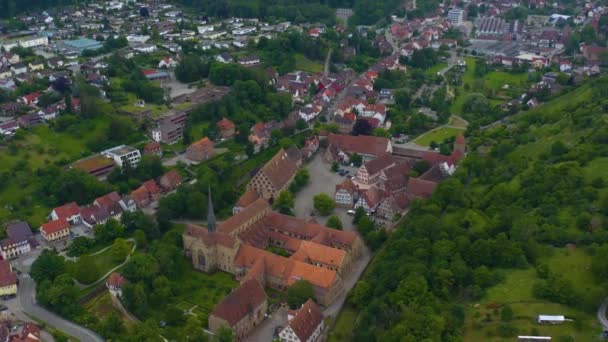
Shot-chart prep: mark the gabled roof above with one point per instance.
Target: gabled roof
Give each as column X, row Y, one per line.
column 209, row 239
column 247, row 198
column 151, row 186
column 93, row 214
column 7, row 276
column 361, row 144
column 67, row 210
column 306, row 320
column 241, row 302
column 319, row 253
column 243, row 216
column 108, row 200
column 172, row 177
column 19, row 231
column 115, row 279
column 280, row 169
column 348, row 186
column 225, row 124
column 54, row 226
column 417, row 187
column 380, row 163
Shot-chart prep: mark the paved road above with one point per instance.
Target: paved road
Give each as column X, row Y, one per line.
column 265, row 331
column 27, row 299
column 601, row 314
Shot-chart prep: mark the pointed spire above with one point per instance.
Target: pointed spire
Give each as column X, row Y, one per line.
column 211, row 224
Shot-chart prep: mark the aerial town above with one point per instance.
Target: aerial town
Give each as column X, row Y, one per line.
column 360, row 170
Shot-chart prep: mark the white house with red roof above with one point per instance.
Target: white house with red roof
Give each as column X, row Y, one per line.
column 55, row 230
column 30, row 99
column 114, row 284
column 69, row 212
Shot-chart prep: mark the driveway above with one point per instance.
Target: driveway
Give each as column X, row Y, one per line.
column 265, row 331
column 322, row 180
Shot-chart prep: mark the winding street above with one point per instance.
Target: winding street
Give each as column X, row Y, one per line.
column 27, row 299
column 601, row 314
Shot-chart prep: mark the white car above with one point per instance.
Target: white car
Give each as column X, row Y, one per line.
column 351, row 212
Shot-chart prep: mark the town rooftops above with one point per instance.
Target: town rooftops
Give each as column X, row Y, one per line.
column 115, row 280
column 19, row 231
column 108, row 200
column 417, row 187
column 241, row 302
column 378, row 164
column 316, row 252
column 306, row 320
column 280, row 168
column 247, row 198
column 208, row 238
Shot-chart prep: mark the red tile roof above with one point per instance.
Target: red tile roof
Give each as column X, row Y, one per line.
column 115, row 279
column 171, row 179
column 108, row 200
column 280, row 169
column 54, row 226
column 151, row 186
column 209, row 238
column 247, row 198
column 306, row 320
column 417, row 187
column 241, row 302
column 225, row 124
column 243, row 216
column 7, row 276
column 361, row 144
column 67, row 210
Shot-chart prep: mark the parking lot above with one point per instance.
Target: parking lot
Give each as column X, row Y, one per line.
column 322, row 180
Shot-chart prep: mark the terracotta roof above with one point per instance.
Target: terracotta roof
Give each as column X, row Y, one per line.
column 306, row 320
column 209, row 239
column 7, row 276
column 151, row 186
column 55, row 226
column 319, row 253
column 433, row 174
column 173, row 178
column 247, row 198
column 241, row 302
column 361, row 144
column 417, row 187
column 280, row 169
column 108, row 200
column 29, row 333
column 67, row 210
column 373, row 196
column 140, row 195
column 283, row 268
column 225, row 124
column 380, row 163
column 152, row 147
column 347, row 185
column 434, row 158
column 204, row 143
column 243, row 216
column 115, row 279
column 312, row 231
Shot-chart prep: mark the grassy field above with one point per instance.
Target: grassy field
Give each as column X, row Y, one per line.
column 101, row 307
column 305, row 64
column 104, row 262
column 344, row 324
column 483, row 318
column 458, row 122
column 437, row 135
column 434, row 70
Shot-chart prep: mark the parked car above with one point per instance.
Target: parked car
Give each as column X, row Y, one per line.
column 3, row 308
column 350, row 212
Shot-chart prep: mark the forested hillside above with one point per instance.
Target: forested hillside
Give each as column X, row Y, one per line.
column 9, row 8
column 524, row 189
column 366, row 11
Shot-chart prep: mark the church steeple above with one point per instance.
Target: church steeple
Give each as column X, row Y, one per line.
column 211, row 224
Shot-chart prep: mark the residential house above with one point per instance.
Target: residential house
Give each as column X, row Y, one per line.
column 115, row 283
column 170, row 180
column 55, row 230
column 30, row 99
column 420, row 188
column 226, row 128
column 9, row 127
column 35, row 66
column 224, row 57
column 153, row 148
column 69, row 212
column 392, row 205
column 29, row 332
column 167, row 62
column 20, row 239
column 115, row 205
column 304, row 325
column 201, row 150
column 8, row 279
column 29, row 120
column 261, row 132
column 249, row 61
column 370, row 199
column 156, row 75
column 241, row 310
column 93, row 215
column 18, row 69
column 346, row 194
column 275, row 176
column 5, row 73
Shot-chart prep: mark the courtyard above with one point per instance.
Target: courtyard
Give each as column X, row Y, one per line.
column 322, row 180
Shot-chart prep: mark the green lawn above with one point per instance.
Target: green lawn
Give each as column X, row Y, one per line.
column 305, row 64
column 103, row 261
column 434, row 70
column 343, row 328
column 457, row 121
column 483, row 317
column 437, row 135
